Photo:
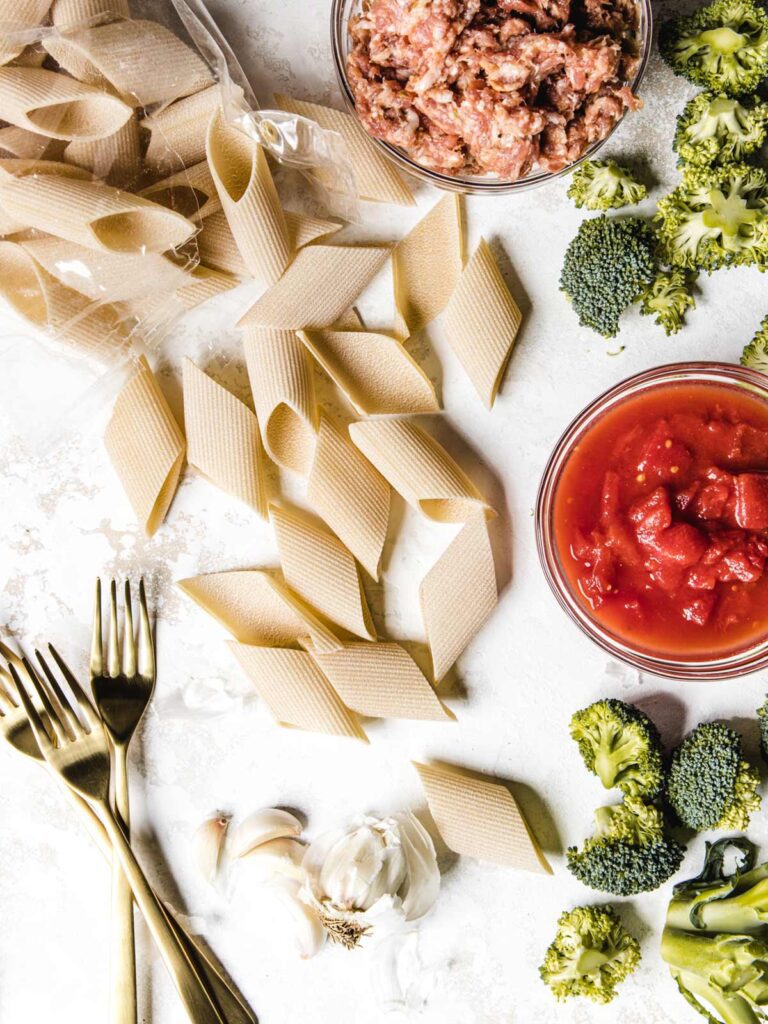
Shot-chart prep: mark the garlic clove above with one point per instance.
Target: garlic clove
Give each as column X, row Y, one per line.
column 208, row 846
column 308, row 932
column 277, row 858
column 421, row 886
column 263, row 826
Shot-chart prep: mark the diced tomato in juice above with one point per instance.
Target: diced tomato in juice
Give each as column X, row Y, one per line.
column 751, row 511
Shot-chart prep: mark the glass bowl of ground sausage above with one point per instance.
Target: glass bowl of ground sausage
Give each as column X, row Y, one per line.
column 490, row 97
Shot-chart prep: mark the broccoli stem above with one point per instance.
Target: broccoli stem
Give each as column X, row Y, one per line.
column 723, row 39
column 731, row 1009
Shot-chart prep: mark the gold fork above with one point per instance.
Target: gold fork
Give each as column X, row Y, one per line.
column 16, row 730
column 77, row 749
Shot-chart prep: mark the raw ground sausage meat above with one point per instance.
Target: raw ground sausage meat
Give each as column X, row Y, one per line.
column 496, row 87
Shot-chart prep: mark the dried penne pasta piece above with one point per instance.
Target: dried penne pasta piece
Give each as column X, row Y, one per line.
column 375, row 177
column 55, row 105
column 217, row 246
column 22, row 144
column 13, row 167
column 419, row 469
column 284, row 395
column 157, row 312
column 223, row 438
column 92, row 214
column 481, row 322
column 381, row 680
column 66, row 13
column 15, row 16
column 257, row 607
column 458, row 594
column 249, row 199
column 191, row 192
column 146, row 447
column 116, row 158
column 426, row 265
column 142, row 61
column 350, row 495
column 318, row 568
column 32, row 56
column 303, row 229
column 94, row 330
column 178, row 132
column 296, row 691
column 373, row 370
column 320, row 284
column 480, row 818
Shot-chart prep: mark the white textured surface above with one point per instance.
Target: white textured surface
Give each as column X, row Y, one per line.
column 63, row 519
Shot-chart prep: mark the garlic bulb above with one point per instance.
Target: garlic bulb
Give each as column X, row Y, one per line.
column 263, row 826
column 208, row 845
column 349, row 873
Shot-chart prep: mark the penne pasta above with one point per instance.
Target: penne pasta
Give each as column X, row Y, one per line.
column 93, row 214
column 66, row 13
column 115, row 159
column 191, row 192
column 15, row 16
column 249, row 199
column 303, row 229
column 217, row 246
column 178, row 132
column 22, row 144
column 51, row 104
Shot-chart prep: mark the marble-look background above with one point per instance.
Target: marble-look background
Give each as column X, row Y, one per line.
column 208, row 744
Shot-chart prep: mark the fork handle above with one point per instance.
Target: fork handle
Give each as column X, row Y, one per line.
column 123, row 1007
column 195, row 994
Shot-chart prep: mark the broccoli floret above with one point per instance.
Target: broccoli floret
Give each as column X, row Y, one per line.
column 716, row 217
column 722, row 47
column 710, row 785
column 621, row 745
column 755, row 354
column 604, row 185
column 719, row 130
column 629, row 852
column 667, row 300
column 591, row 954
column 762, row 711
column 606, row 268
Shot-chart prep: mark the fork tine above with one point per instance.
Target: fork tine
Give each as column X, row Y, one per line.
column 11, row 656
column 113, row 649
column 7, row 703
column 97, row 652
column 78, row 693
column 146, row 643
column 35, row 721
column 129, row 644
column 63, row 706
column 57, row 724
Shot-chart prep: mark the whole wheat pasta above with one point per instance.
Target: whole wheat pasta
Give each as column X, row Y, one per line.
column 116, row 158
column 350, row 495
column 321, row 283
column 481, row 322
column 480, row 818
column 284, row 395
column 15, row 16
column 146, row 447
column 249, row 199
column 178, row 132
column 296, row 691
column 458, row 594
column 426, row 265
column 257, row 607
column 22, row 144
column 66, row 13
column 381, row 680
column 191, row 192
column 419, row 469
column 142, row 61
column 223, row 438
column 51, row 104
column 93, row 214
column 373, row 370
column 375, row 177
column 95, row 330
column 318, row 567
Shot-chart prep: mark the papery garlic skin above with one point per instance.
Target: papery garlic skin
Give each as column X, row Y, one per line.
column 208, row 846
column 263, row 826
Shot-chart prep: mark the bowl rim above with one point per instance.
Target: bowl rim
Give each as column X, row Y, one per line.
column 476, row 185
column 728, row 666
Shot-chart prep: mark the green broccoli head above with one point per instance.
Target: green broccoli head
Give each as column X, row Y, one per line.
column 667, row 299
column 755, row 354
column 621, row 745
column 710, row 785
column 607, row 266
column 717, row 129
column 604, row 185
column 722, row 47
column 762, row 711
column 716, row 217
column 591, row 954
column 629, row 851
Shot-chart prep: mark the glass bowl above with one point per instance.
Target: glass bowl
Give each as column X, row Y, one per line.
column 342, row 11
column 696, row 667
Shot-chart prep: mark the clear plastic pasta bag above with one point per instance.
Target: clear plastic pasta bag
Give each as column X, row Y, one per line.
column 131, row 145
